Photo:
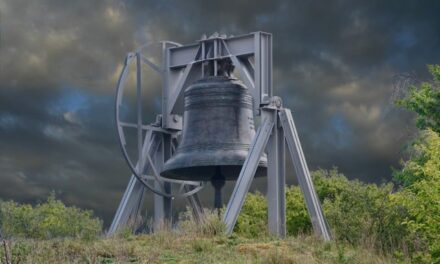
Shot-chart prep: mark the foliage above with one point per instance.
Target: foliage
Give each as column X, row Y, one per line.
column 424, row 163
column 252, row 221
column 425, row 101
column 297, row 218
column 358, row 214
column 420, row 197
column 341, row 198
column 47, row 220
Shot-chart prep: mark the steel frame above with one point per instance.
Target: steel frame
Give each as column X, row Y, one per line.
column 251, row 54
column 276, row 130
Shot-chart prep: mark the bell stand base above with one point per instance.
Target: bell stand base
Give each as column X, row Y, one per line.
column 129, row 209
column 277, row 129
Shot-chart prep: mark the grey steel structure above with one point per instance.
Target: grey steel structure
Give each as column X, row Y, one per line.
column 251, row 54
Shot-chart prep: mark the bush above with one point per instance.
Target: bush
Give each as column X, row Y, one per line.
column 252, row 221
column 353, row 209
column 419, row 198
column 51, row 219
column 359, row 213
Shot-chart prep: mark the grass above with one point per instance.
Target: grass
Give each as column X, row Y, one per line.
column 191, row 242
column 172, row 247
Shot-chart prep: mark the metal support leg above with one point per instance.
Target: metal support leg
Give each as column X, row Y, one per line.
column 132, row 199
column 276, row 180
column 195, row 204
column 162, row 205
column 247, row 174
column 130, row 205
column 303, row 174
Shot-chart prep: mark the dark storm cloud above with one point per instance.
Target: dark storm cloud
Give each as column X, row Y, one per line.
column 334, row 66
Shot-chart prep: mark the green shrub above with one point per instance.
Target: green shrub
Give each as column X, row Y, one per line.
column 419, row 199
column 297, row 217
column 51, row 219
column 405, row 223
column 357, row 212
column 252, row 221
column 353, row 209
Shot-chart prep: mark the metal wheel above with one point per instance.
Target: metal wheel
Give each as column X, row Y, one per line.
column 147, row 146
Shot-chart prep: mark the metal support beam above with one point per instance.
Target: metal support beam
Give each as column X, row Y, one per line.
column 276, row 179
column 129, row 207
column 303, row 174
column 163, row 205
column 131, row 202
column 195, row 204
column 247, row 174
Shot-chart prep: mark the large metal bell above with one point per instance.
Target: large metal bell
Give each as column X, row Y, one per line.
column 218, row 127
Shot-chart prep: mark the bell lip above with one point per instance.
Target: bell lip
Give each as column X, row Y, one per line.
column 180, row 174
column 190, row 165
column 194, row 158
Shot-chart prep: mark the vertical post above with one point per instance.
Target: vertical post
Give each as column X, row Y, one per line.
column 276, row 179
column 215, row 57
column 303, row 174
column 139, row 108
column 166, row 83
column 163, row 205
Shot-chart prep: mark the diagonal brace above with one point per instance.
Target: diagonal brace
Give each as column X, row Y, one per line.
column 305, row 180
column 247, row 174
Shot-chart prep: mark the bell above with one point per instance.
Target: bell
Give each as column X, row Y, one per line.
column 218, row 127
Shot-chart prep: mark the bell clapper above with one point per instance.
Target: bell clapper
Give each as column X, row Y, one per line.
column 218, row 181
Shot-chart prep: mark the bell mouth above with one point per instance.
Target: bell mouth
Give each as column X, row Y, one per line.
column 206, row 173
column 202, row 165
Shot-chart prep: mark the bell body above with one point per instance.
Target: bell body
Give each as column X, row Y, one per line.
column 218, row 127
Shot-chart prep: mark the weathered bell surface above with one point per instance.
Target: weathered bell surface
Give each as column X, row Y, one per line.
column 218, row 127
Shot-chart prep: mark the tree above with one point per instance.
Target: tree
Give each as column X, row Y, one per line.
column 419, row 197
column 424, row 100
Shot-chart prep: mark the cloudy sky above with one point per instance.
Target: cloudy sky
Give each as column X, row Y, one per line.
column 335, row 65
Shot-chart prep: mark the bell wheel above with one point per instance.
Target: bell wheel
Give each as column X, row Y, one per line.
column 145, row 161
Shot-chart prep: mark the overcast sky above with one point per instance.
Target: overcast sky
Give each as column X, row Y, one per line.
column 335, row 63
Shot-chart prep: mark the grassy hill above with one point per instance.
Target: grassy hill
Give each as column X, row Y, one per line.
column 169, row 247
